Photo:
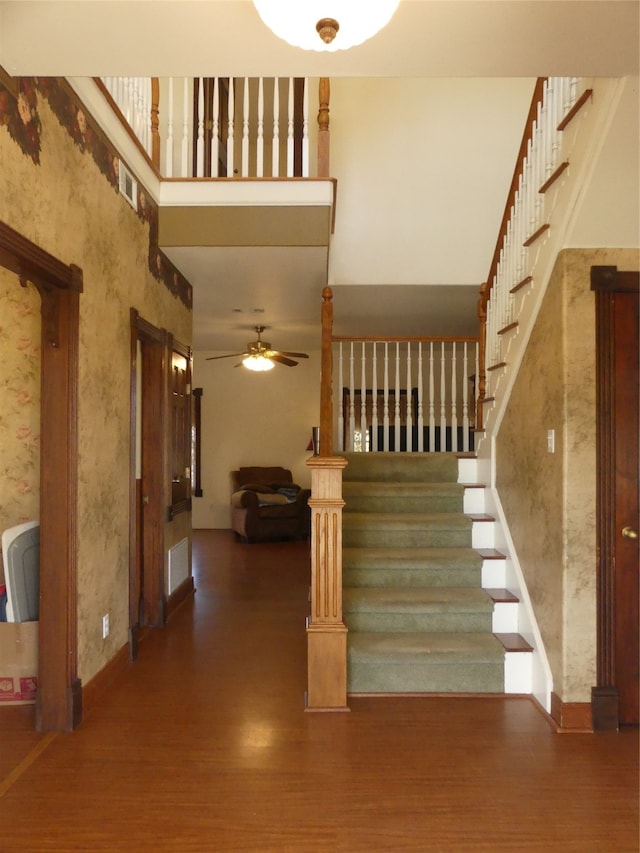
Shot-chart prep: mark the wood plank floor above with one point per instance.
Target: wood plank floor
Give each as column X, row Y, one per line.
column 203, row 745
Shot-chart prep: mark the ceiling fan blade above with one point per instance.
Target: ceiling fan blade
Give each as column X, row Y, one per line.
column 282, row 360
column 290, row 354
column 230, row 355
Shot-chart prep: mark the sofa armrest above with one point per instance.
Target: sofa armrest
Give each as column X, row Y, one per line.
column 303, row 496
column 244, row 499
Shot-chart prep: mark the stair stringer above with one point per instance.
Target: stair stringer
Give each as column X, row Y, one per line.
column 524, row 672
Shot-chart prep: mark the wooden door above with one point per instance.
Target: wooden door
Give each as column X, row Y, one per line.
column 617, row 698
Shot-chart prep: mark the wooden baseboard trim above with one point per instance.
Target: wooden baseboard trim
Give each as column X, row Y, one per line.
column 94, row 689
column 184, row 591
column 571, row 716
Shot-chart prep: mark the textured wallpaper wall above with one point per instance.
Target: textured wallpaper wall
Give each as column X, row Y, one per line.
column 550, row 499
column 66, row 201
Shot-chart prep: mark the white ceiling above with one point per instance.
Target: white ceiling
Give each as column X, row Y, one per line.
column 426, row 38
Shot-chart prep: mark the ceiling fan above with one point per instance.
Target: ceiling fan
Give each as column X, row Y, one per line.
column 259, row 356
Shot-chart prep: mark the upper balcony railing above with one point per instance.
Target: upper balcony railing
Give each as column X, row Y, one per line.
column 226, row 127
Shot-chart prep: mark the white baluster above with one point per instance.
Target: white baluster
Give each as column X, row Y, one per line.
column 352, row 418
column 465, row 398
column 184, row 158
column 443, row 402
column 409, row 407
column 374, row 397
column 476, row 391
column 260, row 139
column 385, row 404
column 245, row 129
column 130, row 100
column 432, row 406
column 363, row 397
column 340, row 400
column 454, row 398
column 420, row 409
column 305, row 129
column 275, row 149
column 200, row 139
column 396, row 408
column 215, row 129
column 168, row 155
column 290, row 130
column 231, row 130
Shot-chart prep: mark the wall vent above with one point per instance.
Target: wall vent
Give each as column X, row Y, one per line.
column 178, row 564
column 128, row 185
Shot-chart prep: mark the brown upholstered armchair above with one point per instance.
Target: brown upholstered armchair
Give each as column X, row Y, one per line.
column 267, row 505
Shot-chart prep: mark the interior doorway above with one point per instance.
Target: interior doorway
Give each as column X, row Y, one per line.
column 147, row 602
column 616, row 699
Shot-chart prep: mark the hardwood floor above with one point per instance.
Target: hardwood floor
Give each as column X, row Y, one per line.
column 203, row 745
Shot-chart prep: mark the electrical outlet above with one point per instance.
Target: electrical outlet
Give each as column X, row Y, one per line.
column 105, row 626
column 551, row 441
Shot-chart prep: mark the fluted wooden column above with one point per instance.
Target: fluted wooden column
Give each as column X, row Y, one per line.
column 323, row 127
column 326, row 632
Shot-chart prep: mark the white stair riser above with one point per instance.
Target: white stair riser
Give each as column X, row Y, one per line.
column 505, row 617
column 482, row 534
column 467, row 470
column 473, row 501
column 518, row 669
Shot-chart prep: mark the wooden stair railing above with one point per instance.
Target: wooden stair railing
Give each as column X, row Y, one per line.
column 326, row 631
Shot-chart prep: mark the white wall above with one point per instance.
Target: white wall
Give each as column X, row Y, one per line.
column 413, row 206
column 252, row 419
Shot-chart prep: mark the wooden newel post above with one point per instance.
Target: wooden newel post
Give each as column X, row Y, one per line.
column 326, row 632
column 326, row 375
column 323, row 127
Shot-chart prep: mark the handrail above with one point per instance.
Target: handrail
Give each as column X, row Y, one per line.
column 527, row 136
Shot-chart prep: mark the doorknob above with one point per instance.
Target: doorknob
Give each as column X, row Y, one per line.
column 145, row 501
column 629, row 533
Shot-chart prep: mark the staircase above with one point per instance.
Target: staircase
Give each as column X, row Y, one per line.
column 419, row 620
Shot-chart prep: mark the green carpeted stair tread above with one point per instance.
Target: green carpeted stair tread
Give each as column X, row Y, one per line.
column 406, row 609
column 416, row 567
column 407, row 467
column 389, row 497
column 411, row 557
column 407, row 521
column 412, row 600
column 425, row 663
column 417, row 647
column 406, row 530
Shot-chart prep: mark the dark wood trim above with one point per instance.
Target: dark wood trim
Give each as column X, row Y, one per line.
column 536, row 235
column 96, row 687
column 10, row 83
column 605, row 709
column 604, row 281
column 571, row 716
column 135, row 496
column 177, row 508
column 59, row 700
column 521, row 284
column 406, row 339
column 197, row 450
column 554, row 177
column 508, row 328
column 153, row 396
column 575, row 109
column 497, row 366
column 181, row 594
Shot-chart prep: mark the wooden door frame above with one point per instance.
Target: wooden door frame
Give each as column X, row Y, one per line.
column 152, row 396
column 59, row 695
column 604, row 698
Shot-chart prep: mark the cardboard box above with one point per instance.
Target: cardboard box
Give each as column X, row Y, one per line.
column 18, row 663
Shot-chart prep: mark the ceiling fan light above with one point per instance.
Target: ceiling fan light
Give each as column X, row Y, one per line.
column 304, row 24
column 257, row 363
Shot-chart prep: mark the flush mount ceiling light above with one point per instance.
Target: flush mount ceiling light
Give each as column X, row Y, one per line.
column 325, row 25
